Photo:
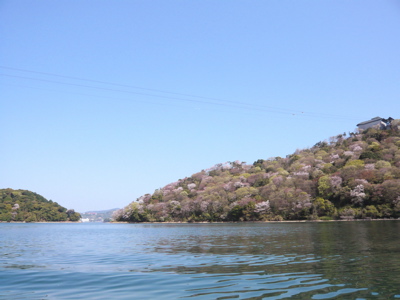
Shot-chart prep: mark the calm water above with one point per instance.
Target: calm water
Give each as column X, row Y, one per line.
column 340, row 260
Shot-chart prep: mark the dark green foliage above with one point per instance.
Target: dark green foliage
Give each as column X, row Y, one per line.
column 348, row 178
column 26, row 206
column 377, row 134
column 371, row 155
column 236, row 214
column 242, row 212
column 72, row 215
column 259, row 163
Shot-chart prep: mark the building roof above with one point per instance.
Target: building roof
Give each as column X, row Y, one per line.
column 370, row 121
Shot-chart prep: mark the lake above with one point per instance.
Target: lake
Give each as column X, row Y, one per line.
column 330, row 260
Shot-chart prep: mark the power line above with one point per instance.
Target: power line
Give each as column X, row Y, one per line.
column 248, row 112
column 162, row 103
column 161, row 91
column 105, row 82
column 288, row 111
column 137, row 93
column 219, row 101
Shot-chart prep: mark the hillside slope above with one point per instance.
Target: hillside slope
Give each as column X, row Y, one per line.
column 344, row 178
column 26, row 206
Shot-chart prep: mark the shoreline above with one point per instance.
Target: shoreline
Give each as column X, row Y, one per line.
column 44, row 222
column 219, row 222
column 285, row 221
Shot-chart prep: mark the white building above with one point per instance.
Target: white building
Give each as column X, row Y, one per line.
column 379, row 122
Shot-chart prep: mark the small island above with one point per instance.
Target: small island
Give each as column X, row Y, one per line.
column 27, row 206
column 354, row 176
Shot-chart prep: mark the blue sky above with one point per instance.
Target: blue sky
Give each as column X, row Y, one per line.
column 104, row 101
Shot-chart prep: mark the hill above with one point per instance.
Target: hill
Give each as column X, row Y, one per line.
column 347, row 177
column 27, row 206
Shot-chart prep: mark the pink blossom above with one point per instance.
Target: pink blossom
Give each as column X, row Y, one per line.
column 358, row 194
column 348, row 153
column 204, row 206
column 335, row 156
column 239, row 184
column 336, row 181
column 301, row 173
column 262, row 207
column 361, row 181
column 277, row 180
column 191, row 186
column 370, row 166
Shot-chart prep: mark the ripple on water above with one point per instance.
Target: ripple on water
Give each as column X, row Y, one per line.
column 234, row 261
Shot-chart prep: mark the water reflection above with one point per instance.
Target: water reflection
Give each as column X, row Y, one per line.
column 349, row 257
column 339, row 260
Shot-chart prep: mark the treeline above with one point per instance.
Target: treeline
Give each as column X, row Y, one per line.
column 26, row 206
column 353, row 176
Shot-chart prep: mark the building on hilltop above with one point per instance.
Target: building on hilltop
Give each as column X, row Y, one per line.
column 378, row 122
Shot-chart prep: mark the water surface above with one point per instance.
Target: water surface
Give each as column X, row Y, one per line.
column 334, row 260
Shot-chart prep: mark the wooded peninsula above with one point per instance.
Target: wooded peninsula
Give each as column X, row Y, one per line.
column 350, row 176
column 27, row 206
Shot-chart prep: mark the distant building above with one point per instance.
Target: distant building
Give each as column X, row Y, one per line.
column 85, row 220
column 378, row 122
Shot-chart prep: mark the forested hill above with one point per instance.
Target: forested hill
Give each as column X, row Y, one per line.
column 26, row 206
column 347, row 177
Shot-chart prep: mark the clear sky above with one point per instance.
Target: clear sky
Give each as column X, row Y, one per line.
column 103, row 101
